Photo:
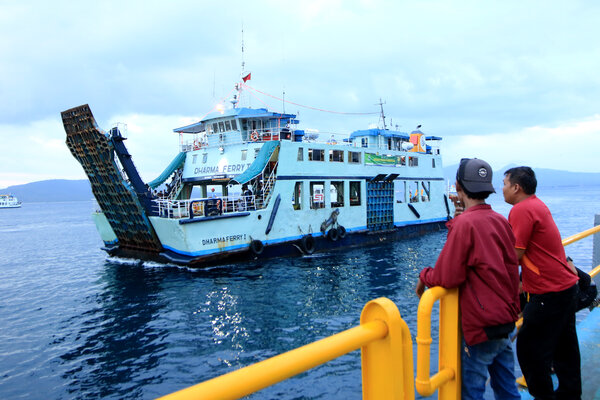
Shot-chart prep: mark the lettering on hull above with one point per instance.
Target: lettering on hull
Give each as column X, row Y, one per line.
column 223, row 239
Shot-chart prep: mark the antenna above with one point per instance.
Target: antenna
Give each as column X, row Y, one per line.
column 380, row 104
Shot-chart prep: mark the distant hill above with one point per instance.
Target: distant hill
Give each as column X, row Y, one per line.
column 545, row 177
column 52, row 191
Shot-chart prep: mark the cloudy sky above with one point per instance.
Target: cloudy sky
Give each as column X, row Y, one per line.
column 506, row 81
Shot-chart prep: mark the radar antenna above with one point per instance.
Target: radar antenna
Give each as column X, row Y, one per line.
column 382, row 116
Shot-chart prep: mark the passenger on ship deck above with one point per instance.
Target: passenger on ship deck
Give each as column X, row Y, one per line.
column 548, row 336
column 479, row 258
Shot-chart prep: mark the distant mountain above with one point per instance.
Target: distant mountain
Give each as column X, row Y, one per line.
column 52, row 191
column 545, row 177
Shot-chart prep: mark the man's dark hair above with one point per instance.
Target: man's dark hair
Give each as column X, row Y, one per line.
column 474, row 196
column 524, row 177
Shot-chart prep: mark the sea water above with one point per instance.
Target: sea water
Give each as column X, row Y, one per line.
column 77, row 324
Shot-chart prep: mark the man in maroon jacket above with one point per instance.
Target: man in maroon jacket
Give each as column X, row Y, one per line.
column 479, row 258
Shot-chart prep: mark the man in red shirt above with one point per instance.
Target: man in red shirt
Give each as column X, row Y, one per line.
column 480, row 260
column 548, row 337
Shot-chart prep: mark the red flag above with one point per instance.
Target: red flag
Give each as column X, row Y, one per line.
column 247, row 77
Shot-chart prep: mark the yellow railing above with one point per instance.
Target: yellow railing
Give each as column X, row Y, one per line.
column 447, row 380
column 387, row 354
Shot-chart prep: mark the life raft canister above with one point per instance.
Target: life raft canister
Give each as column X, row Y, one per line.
column 307, row 243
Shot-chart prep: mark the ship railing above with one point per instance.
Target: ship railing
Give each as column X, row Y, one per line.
column 386, row 353
column 204, row 207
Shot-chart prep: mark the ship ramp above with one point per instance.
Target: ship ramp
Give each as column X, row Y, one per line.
column 123, row 197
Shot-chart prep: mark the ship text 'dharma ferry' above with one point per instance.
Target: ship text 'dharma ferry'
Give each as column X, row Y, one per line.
column 249, row 183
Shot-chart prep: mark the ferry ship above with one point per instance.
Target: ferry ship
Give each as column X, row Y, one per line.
column 9, row 201
column 250, row 183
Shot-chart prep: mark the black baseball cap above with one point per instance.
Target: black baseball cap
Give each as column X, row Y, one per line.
column 475, row 175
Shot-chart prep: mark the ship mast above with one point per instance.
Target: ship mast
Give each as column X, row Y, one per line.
column 238, row 86
column 382, row 116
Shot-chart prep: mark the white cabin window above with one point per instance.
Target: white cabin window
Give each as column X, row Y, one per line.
column 316, row 154
column 425, row 191
column 227, row 125
column 400, row 191
column 413, row 162
column 221, row 127
column 336, row 189
column 433, row 163
column 194, row 157
column 364, row 142
column 354, row 157
column 317, row 195
column 233, row 125
column 204, row 158
column 215, row 127
column 244, row 154
column 413, row 192
column 336, row 155
column 300, row 154
column 355, row 193
column 297, row 198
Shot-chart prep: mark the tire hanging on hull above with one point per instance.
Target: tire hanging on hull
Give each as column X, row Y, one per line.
column 307, row 244
column 257, row 247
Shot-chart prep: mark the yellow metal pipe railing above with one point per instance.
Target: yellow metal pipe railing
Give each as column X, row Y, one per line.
column 384, row 339
column 447, row 379
column 580, row 235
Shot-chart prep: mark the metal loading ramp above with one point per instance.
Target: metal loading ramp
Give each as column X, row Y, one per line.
column 118, row 201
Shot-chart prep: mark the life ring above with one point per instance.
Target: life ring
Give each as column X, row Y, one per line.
column 333, row 234
column 341, row 231
column 308, row 244
column 257, row 247
column 254, row 136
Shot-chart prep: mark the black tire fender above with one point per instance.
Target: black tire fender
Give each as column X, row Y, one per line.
column 257, row 247
column 308, row 244
column 333, row 234
column 341, row 231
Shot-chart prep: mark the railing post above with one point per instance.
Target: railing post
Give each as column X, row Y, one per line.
column 447, row 379
column 596, row 248
column 387, row 364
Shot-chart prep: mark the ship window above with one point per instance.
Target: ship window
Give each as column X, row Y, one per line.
column 413, row 162
column 317, row 195
column 300, row 154
column 316, row 154
column 337, row 193
column 364, row 142
column 297, row 199
column 336, row 155
column 354, row 157
column 215, row 127
column 355, row 193
column 221, row 127
column 244, row 154
column 433, row 163
column 425, row 193
column 194, row 157
column 400, row 191
column 204, row 158
column 413, row 191
column 233, row 125
column 402, row 160
column 227, row 125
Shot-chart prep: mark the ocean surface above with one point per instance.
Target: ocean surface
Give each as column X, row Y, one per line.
column 75, row 324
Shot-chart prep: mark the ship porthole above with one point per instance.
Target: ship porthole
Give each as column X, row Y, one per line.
column 333, row 234
column 257, row 247
column 308, row 244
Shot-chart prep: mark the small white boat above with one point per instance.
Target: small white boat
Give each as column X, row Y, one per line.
column 9, row 201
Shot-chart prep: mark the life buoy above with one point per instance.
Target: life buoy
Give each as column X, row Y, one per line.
column 196, row 208
column 257, row 247
column 254, row 136
column 341, row 232
column 308, row 244
column 333, row 234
